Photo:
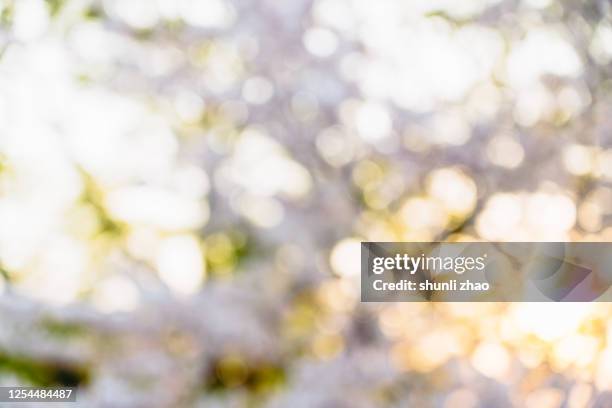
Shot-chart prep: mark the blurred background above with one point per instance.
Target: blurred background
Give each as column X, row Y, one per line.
column 184, row 185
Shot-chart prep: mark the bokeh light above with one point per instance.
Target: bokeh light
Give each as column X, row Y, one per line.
column 184, row 186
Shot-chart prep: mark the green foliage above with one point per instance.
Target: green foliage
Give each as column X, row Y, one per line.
column 233, row 372
column 92, row 196
column 55, row 6
column 42, row 373
column 63, row 330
